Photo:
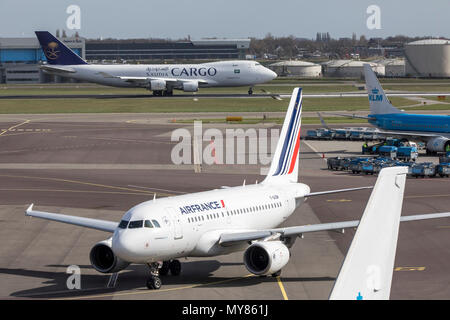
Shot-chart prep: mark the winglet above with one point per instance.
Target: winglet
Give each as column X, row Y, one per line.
column 29, row 209
column 367, row 269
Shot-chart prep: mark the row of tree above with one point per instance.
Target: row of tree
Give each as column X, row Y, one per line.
column 323, row 45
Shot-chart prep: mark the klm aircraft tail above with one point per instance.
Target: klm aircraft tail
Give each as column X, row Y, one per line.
column 56, row 52
column 379, row 103
column 285, row 159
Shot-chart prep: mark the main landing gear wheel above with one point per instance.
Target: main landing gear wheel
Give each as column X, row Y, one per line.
column 164, row 269
column 175, row 267
column 154, row 282
column 250, row 91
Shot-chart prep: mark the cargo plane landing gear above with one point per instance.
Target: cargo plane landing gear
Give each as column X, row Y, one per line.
column 162, row 93
column 157, row 269
column 250, row 90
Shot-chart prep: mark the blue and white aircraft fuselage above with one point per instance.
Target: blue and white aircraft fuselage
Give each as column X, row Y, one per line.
column 434, row 130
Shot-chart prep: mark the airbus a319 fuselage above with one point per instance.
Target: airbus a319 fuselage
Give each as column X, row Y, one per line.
column 190, row 225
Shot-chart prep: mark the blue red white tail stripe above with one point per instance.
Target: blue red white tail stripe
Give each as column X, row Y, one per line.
column 289, row 151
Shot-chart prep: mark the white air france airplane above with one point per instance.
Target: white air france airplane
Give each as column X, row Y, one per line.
column 215, row 222
column 162, row 79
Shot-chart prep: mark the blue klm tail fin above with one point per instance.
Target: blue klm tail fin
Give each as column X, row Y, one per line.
column 379, row 103
column 56, row 52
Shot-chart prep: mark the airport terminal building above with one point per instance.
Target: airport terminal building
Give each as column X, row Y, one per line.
column 20, row 57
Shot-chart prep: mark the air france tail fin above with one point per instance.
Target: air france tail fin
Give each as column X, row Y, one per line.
column 367, row 269
column 379, row 103
column 285, row 160
column 56, row 52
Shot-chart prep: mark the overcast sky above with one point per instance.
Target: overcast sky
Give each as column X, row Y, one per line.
column 177, row 19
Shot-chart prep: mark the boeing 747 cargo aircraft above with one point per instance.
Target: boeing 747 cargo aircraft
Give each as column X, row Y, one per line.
column 162, row 79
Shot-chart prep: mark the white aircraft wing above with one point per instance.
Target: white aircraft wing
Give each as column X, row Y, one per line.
column 319, row 193
column 57, row 69
column 103, row 225
column 233, row 237
column 145, row 80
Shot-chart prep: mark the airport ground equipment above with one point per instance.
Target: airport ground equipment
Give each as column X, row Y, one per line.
column 422, row 170
column 338, row 163
column 388, row 151
column 341, row 134
column 443, row 169
column 407, row 153
column 375, row 165
column 444, row 159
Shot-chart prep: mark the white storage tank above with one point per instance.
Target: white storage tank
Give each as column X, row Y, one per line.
column 350, row 68
column 428, row 58
column 392, row 67
column 296, row 68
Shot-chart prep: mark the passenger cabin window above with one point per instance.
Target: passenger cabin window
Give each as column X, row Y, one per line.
column 135, row 224
column 148, row 224
column 123, row 224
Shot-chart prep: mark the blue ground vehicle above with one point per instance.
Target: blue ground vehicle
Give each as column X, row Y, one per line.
column 443, row 169
column 388, row 151
column 407, row 153
column 355, row 165
column 424, row 169
column 341, row 134
column 311, row 134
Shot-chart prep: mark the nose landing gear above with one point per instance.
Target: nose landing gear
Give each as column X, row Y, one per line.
column 157, row 269
column 154, row 282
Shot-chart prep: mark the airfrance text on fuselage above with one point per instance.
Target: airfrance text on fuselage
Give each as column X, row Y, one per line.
column 194, row 208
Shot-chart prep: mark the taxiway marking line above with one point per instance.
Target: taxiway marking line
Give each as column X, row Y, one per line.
column 409, row 268
column 427, row 196
column 315, row 150
column 283, row 292
column 15, row 126
column 74, row 191
column 146, row 291
column 150, row 188
column 86, row 183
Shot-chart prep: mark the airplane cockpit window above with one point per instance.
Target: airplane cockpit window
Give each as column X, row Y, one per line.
column 123, row 224
column 135, row 224
column 148, row 224
column 257, row 64
column 156, row 224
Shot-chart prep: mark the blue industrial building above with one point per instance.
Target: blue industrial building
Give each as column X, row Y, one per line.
column 20, row 59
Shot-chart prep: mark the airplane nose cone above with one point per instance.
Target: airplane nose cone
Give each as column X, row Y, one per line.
column 125, row 246
column 270, row 75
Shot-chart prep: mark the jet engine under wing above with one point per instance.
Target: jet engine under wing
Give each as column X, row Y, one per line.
column 103, row 225
column 230, row 238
